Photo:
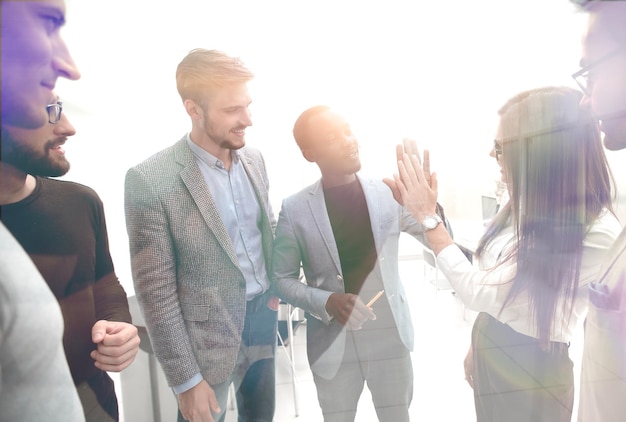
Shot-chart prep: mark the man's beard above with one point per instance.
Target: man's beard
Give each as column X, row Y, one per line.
column 35, row 163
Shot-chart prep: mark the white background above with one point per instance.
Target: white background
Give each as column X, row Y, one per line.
column 436, row 71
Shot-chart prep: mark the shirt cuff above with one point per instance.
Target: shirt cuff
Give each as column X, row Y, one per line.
column 195, row 380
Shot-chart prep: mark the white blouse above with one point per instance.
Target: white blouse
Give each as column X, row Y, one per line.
column 484, row 288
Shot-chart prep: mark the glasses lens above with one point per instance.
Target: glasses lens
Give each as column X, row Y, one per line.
column 54, row 112
column 581, row 80
column 497, row 149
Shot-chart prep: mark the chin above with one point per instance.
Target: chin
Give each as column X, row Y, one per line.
column 615, row 140
column 235, row 145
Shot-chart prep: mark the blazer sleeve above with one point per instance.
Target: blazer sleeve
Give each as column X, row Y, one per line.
column 287, row 257
column 153, row 264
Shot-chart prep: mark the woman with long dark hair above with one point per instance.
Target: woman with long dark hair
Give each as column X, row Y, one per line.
column 536, row 257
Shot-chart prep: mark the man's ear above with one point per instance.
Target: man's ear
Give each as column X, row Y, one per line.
column 193, row 109
column 309, row 154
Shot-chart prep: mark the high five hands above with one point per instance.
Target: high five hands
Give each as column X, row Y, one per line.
column 414, row 187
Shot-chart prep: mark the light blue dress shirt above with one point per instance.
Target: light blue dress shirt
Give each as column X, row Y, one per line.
column 239, row 209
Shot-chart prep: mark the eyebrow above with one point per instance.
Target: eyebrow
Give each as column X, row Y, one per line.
column 52, row 10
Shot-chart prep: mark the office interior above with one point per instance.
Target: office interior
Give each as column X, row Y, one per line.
column 435, row 72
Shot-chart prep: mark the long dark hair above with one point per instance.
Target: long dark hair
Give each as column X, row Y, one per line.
column 559, row 182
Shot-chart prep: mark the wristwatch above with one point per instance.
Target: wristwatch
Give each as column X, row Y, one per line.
column 431, row 221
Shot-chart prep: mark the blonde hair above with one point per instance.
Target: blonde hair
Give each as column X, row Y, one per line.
column 206, row 70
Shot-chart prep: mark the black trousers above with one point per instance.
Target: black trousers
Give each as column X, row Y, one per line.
column 517, row 378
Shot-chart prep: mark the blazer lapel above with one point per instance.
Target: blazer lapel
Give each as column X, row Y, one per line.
column 373, row 201
column 260, row 189
column 319, row 215
column 194, row 181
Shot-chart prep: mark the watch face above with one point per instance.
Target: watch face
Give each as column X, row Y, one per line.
column 430, row 222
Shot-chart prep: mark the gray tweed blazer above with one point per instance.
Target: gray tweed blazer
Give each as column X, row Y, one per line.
column 187, row 278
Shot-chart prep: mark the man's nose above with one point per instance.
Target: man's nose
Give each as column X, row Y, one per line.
column 64, row 64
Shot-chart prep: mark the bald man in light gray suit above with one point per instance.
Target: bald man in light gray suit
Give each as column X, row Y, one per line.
column 344, row 231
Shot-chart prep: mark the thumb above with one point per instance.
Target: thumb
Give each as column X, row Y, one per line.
column 394, row 189
column 98, row 331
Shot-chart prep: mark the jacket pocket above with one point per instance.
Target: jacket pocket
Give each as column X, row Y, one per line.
column 195, row 312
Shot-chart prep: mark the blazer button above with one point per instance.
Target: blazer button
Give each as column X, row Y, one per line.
column 339, row 277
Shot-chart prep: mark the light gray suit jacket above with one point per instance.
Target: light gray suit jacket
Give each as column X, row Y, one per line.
column 304, row 236
column 187, row 278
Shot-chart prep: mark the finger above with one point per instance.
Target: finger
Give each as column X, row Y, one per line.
column 394, row 189
column 410, row 146
column 117, row 364
column 213, row 403
column 109, row 352
column 404, row 177
column 406, row 143
column 413, row 169
column 399, row 152
column 113, row 353
column 401, row 187
column 98, row 331
column 416, row 167
column 434, row 184
column 427, row 163
column 120, row 338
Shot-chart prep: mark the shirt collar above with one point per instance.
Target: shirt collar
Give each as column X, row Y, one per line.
column 208, row 158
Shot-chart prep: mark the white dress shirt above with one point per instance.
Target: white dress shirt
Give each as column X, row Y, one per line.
column 485, row 288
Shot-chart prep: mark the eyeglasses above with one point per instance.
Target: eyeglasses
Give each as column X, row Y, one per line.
column 497, row 149
column 54, row 112
column 582, row 76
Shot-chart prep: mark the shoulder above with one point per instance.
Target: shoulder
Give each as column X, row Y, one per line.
column 603, row 231
column 376, row 185
column 377, row 190
column 164, row 157
column 67, row 188
column 309, row 192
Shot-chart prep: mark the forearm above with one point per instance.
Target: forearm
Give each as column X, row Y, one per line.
column 110, row 300
column 480, row 290
column 438, row 239
column 311, row 299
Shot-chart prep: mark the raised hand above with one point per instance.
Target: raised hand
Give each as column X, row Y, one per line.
column 410, row 147
column 415, row 183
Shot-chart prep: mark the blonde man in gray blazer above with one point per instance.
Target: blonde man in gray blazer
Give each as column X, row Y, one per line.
column 201, row 233
column 344, row 231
